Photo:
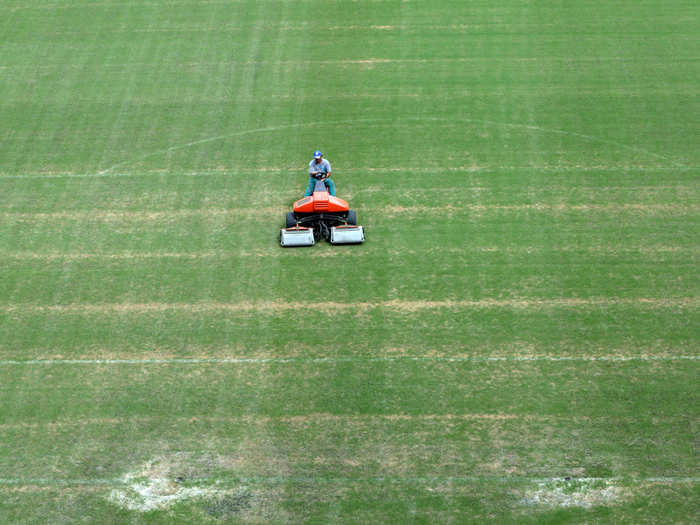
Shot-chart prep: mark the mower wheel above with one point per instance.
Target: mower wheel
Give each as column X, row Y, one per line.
column 352, row 217
column 291, row 220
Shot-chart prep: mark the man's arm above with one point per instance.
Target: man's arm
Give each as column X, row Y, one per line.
column 327, row 171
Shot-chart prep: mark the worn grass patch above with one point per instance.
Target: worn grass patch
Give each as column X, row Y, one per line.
column 585, row 493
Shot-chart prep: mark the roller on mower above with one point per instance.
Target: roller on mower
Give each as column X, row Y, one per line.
column 321, row 216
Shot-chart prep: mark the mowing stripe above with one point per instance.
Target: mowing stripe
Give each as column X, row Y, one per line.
column 369, row 359
column 341, row 419
column 117, row 482
column 358, row 307
column 406, row 169
column 276, row 251
column 168, row 215
column 325, row 418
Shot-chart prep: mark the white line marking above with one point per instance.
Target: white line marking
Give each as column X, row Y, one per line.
column 368, row 359
column 97, row 4
column 378, row 479
column 391, row 122
column 303, row 26
column 240, row 134
column 558, row 132
column 169, row 65
column 394, row 122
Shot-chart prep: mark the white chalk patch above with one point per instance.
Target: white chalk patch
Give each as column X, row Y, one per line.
column 155, row 494
column 153, row 488
column 584, row 493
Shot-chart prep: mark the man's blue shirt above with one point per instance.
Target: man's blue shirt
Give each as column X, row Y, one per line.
column 324, row 166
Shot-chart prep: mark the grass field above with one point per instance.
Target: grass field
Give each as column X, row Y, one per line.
column 516, row 342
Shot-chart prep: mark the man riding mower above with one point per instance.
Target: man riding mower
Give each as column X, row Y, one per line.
column 320, row 214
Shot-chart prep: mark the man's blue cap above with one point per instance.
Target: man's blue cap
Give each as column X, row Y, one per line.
column 318, row 154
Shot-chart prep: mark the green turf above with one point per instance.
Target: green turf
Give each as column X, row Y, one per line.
column 525, row 308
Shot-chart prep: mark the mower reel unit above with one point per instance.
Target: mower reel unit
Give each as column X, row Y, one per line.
column 321, row 216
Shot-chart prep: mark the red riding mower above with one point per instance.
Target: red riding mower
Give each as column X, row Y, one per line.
column 321, row 216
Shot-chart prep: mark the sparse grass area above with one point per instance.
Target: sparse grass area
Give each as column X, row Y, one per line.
column 517, row 340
